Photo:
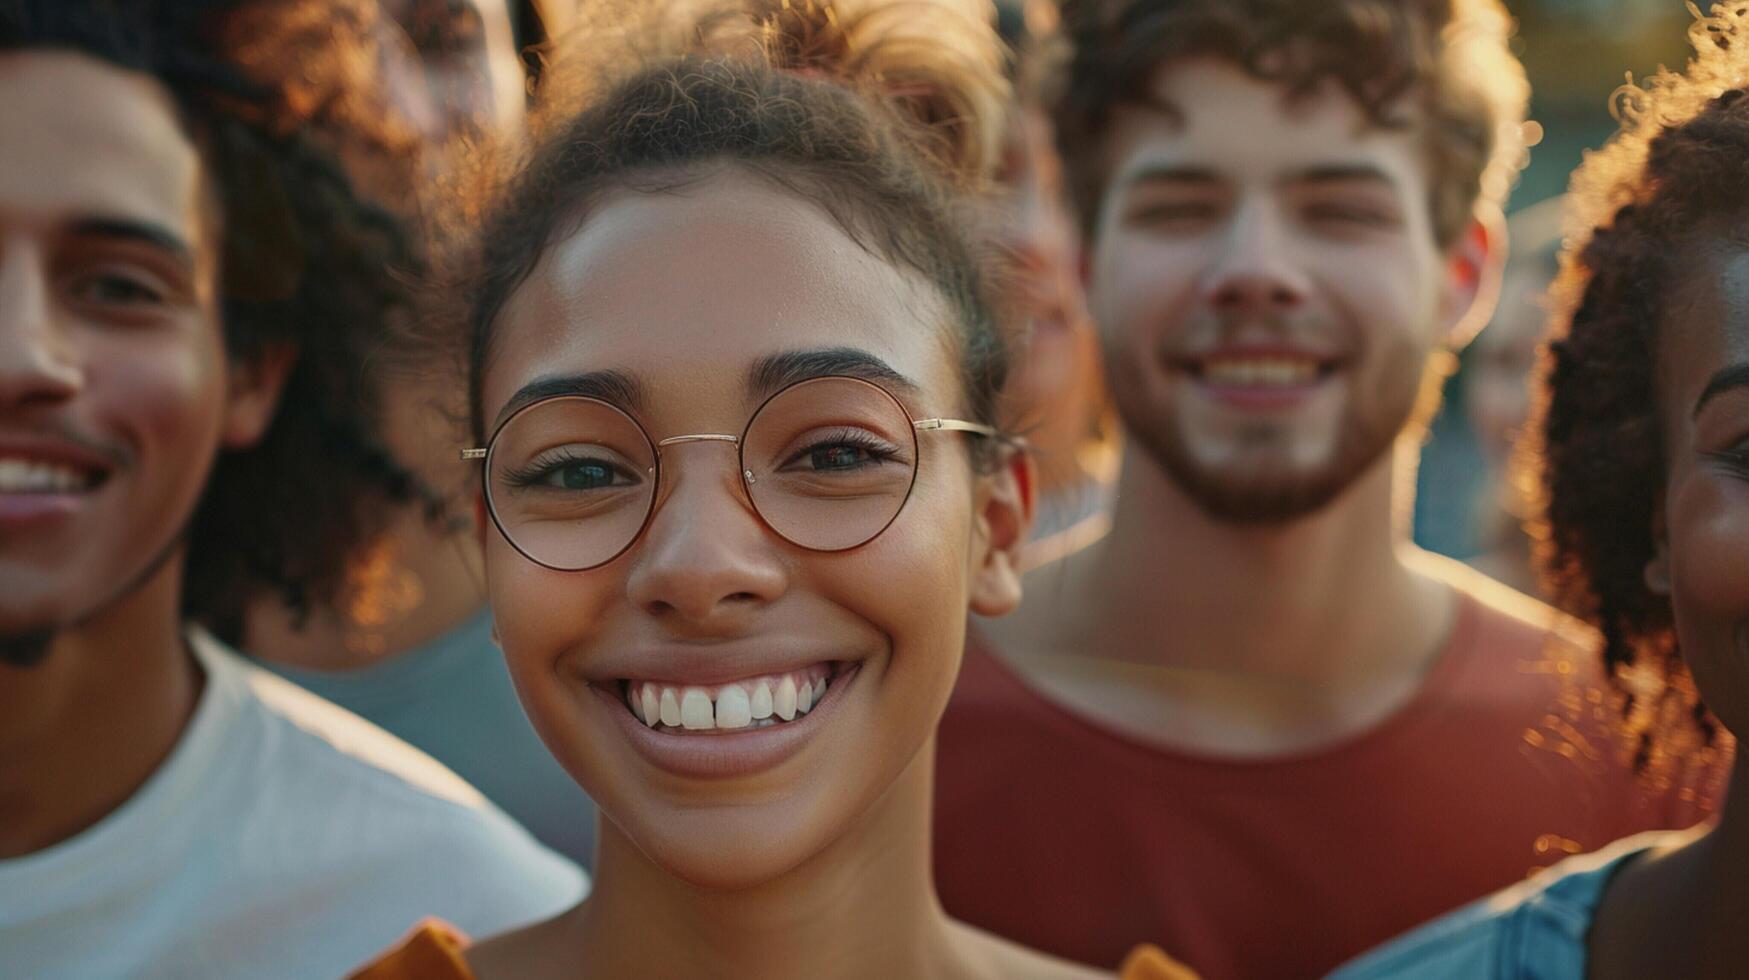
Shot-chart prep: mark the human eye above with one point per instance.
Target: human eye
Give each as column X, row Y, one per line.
column 117, row 288
column 1350, row 214
column 1172, row 214
column 571, row 469
column 842, row 451
column 1734, row 458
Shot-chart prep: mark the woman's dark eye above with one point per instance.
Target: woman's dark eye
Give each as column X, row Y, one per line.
column 1736, row 458
column 840, row 457
column 582, row 475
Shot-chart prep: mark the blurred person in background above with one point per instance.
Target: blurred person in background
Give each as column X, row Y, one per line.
column 407, row 641
column 1253, row 723
column 187, row 286
column 1055, row 397
column 1642, row 469
column 1497, row 382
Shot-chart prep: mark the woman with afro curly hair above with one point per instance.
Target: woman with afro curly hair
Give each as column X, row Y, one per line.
column 1644, row 529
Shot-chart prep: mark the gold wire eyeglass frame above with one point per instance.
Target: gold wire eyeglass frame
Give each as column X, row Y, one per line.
column 739, row 442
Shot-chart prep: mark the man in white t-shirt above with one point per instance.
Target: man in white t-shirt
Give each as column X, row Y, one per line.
column 186, row 286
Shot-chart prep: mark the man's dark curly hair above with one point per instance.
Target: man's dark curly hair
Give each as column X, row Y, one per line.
column 1450, row 57
column 1670, row 182
column 306, row 265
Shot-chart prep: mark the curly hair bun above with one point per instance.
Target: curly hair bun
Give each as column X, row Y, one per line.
column 938, row 62
column 936, row 65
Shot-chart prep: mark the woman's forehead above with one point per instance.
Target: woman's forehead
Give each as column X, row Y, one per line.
column 695, row 286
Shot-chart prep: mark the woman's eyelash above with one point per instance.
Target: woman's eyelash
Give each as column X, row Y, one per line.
column 850, row 437
column 542, row 466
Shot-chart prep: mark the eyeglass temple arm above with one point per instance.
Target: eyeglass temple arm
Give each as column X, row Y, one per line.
column 975, row 428
column 953, row 425
column 473, row 454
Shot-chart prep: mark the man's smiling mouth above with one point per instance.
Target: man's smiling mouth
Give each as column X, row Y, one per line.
column 25, row 474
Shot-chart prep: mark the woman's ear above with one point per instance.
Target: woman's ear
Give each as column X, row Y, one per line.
column 1657, row 570
column 1003, row 523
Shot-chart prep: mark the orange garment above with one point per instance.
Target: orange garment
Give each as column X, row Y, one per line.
column 1075, row 840
column 434, row 952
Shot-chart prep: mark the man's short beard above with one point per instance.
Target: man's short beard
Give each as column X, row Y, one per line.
column 27, row 649
column 1280, row 499
column 1267, row 500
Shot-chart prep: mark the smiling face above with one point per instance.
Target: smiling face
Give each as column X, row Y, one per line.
column 705, row 300
column 1266, row 280
column 1703, row 561
column 113, row 380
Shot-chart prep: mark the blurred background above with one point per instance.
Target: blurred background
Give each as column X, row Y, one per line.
column 1575, row 52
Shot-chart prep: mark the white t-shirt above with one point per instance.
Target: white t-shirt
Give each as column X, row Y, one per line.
column 283, row 837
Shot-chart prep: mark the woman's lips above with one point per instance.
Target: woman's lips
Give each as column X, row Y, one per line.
column 717, row 751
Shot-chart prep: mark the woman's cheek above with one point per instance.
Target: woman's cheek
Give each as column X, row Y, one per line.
column 1709, row 577
column 539, row 613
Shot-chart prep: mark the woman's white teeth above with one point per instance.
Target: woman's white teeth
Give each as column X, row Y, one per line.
column 784, row 702
column 747, row 704
column 695, row 710
column 734, row 708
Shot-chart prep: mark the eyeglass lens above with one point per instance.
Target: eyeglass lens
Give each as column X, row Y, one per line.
column 827, row 463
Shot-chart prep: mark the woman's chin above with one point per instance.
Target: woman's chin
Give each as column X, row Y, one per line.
column 732, row 848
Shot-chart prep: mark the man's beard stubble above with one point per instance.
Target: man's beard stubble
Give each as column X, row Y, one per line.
column 1365, row 438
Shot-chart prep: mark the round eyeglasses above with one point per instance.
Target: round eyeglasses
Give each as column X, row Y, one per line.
column 827, row 464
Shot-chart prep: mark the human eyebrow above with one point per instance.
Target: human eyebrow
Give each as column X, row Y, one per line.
column 774, row 372
column 136, row 230
column 1342, row 173
column 1171, row 174
column 614, row 387
column 1726, row 379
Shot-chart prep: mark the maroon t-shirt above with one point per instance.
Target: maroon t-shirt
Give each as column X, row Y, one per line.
column 1082, row 842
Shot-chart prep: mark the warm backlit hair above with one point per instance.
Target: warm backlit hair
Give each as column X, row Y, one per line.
column 1450, row 58
column 1670, row 182
column 886, row 114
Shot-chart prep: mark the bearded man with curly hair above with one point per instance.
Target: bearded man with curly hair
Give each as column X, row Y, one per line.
column 1257, row 722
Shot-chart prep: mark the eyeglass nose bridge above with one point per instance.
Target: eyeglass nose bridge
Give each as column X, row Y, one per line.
column 735, row 441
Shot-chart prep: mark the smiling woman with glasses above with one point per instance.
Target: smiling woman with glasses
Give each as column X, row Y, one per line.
column 733, row 380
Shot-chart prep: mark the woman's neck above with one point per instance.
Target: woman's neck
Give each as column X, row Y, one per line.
column 864, row 905
column 1678, row 910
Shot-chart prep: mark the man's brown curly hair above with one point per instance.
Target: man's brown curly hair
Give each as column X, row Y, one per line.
column 1670, row 182
column 1449, row 57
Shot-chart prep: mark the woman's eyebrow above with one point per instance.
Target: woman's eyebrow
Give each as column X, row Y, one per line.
column 615, row 387
column 776, row 371
column 1727, row 378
